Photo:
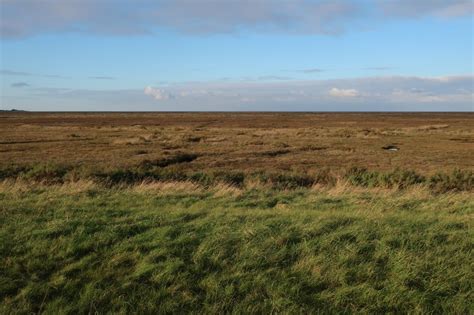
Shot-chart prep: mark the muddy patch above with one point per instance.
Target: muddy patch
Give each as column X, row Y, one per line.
column 176, row 159
column 140, row 152
column 193, row 139
column 463, row 140
column 391, row 147
column 274, row 153
column 313, row 148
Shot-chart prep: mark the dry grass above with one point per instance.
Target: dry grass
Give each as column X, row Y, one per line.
column 24, row 186
column 163, row 188
column 130, row 141
column 433, row 127
column 344, row 187
column 341, row 188
column 224, row 189
column 247, row 141
column 15, row 186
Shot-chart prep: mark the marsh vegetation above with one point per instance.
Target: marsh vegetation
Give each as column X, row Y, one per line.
column 221, row 213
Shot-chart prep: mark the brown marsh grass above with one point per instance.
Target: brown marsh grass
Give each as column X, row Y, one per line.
column 297, row 142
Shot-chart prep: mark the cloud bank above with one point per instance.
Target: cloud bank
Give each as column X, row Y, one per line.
column 23, row 18
column 385, row 93
column 363, row 94
column 418, row 8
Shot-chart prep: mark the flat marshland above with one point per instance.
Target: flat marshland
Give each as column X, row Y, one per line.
column 241, row 141
column 236, row 213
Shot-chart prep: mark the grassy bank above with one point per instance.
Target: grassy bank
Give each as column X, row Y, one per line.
column 173, row 247
column 159, row 170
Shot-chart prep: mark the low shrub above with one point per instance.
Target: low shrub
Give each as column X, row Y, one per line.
column 176, row 159
column 11, row 171
column 232, row 178
column 169, row 174
column 400, row 179
column 168, row 170
column 131, row 176
column 207, row 179
column 201, row 178
column 47, row 173
column 120, row 176
column 324, row 177
column 287, row 181
column 358, row 176
column 456, row 181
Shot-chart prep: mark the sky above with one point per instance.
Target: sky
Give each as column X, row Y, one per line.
column 237, row 55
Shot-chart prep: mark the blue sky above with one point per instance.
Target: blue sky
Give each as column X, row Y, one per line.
column 303, row 55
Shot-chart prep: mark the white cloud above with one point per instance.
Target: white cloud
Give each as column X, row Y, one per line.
column 344, row 92
column 381, row 93
column 158, row 94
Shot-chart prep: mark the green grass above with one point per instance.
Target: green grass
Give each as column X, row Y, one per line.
column 126, row 250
